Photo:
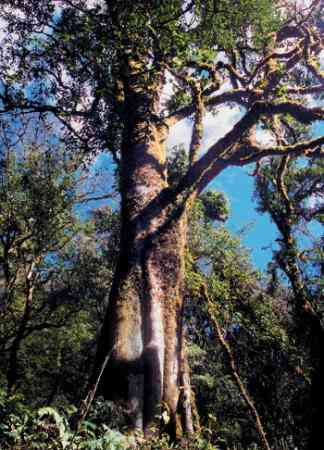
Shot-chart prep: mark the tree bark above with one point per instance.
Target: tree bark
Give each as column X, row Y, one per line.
column 143, row 324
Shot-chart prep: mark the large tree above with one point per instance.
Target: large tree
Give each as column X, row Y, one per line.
column 103, row 69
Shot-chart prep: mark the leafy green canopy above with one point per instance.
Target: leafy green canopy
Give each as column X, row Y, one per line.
column 303, row 182
column 74, row 74
column 37, row 197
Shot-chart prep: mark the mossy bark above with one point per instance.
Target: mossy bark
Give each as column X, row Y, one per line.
column 313, row 337
column 309, row 321
column 143, row 324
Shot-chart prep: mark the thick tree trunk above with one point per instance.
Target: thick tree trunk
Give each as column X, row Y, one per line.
column 143, row 324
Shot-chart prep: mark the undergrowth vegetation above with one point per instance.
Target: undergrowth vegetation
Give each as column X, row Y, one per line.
column 25, row 428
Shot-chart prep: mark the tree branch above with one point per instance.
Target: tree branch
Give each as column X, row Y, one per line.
column 239, row 96
column 218, row 156
column 248, row 155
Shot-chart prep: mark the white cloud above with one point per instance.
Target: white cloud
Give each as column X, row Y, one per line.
column 216, row 125
column 315, row 201
column 180, row 134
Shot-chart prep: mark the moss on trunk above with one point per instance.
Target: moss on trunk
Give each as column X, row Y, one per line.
column 143, row 324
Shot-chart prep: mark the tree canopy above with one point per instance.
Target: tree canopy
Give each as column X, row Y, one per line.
column 259, row 58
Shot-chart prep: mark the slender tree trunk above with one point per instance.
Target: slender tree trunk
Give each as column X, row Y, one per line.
column 307, row 318
column 234, row 371
column 143, row 324
column 8, row 282
column 317, row 393
column 12, row 373
column 313, row 339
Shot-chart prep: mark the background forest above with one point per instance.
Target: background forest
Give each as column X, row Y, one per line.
column 50, row 316
column 255, row 339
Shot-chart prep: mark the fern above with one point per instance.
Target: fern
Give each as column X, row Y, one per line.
column 60, row 422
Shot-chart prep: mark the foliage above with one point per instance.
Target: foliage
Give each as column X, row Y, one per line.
column 255, row 323
column 257, row 327
column 37, row 195
column 45, row 250
column 59, row 68
column 24, row 428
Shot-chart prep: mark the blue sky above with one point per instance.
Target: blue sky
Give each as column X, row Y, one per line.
column 259, row 233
